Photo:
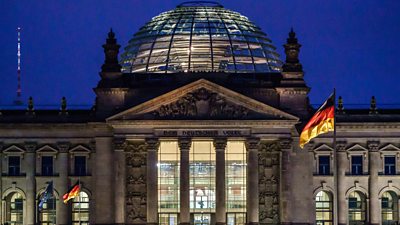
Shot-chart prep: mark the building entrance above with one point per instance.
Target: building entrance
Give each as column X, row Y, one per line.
column 202, row 219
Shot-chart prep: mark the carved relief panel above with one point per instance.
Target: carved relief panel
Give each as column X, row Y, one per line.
column 135, row 183
column 269, row 179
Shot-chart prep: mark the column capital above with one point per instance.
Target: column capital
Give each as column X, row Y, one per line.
column 152, row 144
column 286, row 143
column 30, row 146
column 252, row 143
column 184, row 144
column 341, row 146
column 63, row 147
column 120, row 143
column 220, row 144
column 373, row 146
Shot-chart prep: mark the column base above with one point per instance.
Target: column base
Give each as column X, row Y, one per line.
column 220, row 223
column 184, row 223
column 252, row 223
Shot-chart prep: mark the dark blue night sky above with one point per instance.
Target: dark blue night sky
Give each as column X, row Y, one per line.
column 351, row 45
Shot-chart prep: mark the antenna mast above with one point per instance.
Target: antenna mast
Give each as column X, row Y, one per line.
column 18, row 99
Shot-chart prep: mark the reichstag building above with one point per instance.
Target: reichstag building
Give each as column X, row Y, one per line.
column 197, row 121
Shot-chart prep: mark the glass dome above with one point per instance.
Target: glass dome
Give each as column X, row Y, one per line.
column 200, row 36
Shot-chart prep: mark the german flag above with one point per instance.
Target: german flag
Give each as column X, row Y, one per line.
column 322, row 122
column 72, row 193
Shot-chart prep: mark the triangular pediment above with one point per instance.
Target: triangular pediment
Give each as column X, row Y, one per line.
column 203, row 99
column 46, row 149
column 323, row 148
column 357, row 148
column 13, row 149
column 390, row 148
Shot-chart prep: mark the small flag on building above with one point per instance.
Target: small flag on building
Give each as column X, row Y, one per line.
column 322, row 121
column 47, row 194
column 72, row 193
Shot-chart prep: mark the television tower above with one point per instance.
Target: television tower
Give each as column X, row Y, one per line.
column 18, row 99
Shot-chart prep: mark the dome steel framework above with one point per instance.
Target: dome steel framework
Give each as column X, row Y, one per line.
column 200, row 36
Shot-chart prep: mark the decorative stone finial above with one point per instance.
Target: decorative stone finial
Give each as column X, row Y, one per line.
column 340, row 105
column 30, row 104
column 63, row 104
column 292, row 49
column 111, row 49
column 373, row 109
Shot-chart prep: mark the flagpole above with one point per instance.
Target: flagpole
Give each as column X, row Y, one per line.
column 335, row 167
column 79, row 198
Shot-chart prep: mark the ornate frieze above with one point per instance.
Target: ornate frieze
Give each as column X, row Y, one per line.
column 136, row 153
column 269, row 179
column 199, row 104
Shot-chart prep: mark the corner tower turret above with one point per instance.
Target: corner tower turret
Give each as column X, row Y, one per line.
column 111, row 68
column 293, row 89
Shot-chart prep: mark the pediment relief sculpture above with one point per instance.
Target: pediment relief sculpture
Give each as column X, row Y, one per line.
column 199, row 104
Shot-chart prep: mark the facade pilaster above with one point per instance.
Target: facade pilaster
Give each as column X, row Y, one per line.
column 374, row 165
column 252, row 145
column 104, row 181
column 120, row 174
column 184, row 147
column 285, row 194
column 30, row 169
column 62, row 185
column 151, row 187
column 220, row 145
column 342, row 165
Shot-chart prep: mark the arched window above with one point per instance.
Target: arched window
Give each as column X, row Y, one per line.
column 357, row 208
column 47, row 215
column 14, row 210
column 324, row 208
column 389, row 202
column 80, row 209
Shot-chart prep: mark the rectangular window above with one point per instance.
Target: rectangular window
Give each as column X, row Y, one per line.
column 14, row 165
column 47, row 165
column 390, row 165
column 80, row 165
column 324, row 165
column 168, row 182
column 356, row 165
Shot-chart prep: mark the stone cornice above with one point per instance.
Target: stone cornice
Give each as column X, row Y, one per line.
column 204, row 123
column 365, row 126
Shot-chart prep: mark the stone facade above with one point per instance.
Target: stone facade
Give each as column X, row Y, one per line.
column 119, row 140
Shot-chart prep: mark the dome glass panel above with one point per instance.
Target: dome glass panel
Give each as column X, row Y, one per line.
column 200, row 36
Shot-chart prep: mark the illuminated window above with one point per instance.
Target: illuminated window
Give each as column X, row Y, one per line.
column 48, row 215
column 202, row 177
column 14, row 209
column 80, row 209
column 235, row 173
column 357, row 208
column 389, row 202
column 168, row 182
column 324, row 208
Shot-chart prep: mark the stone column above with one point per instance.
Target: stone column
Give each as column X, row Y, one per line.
column 285, row 174
column 220, row 215
column 151, row 186
column 342, row 163
column 374, row 167
column 63, row 217
column 104, row 181
column 30, row 169
column 184, row 147
column 120, row 174
column 252, row 145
